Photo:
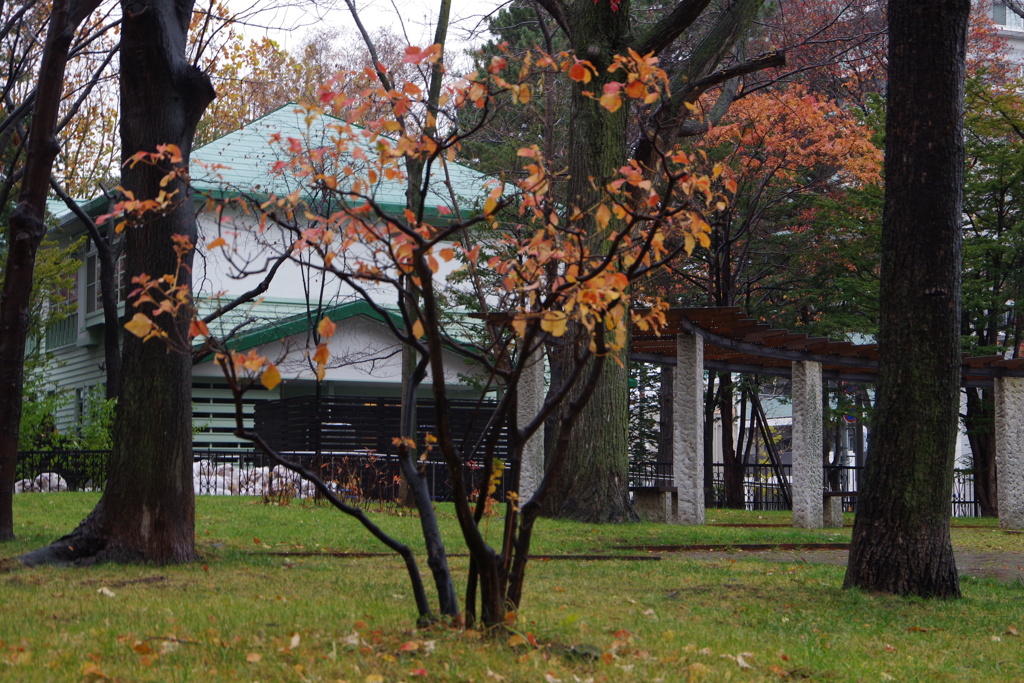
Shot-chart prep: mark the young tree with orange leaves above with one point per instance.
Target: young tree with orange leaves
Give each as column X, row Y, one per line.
column 552, row 282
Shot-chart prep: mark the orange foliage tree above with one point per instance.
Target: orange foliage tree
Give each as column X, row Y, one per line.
column 538, row 276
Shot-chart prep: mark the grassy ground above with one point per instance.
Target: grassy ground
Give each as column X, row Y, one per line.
column 243, row 613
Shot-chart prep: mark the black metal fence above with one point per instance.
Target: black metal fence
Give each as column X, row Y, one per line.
column 359, row 476
column 759, row 486
column 355, row 425
column 75, row 470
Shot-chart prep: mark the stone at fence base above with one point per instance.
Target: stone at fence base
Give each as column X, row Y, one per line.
column 833, row 511
column 654, row 505
column 50, row 481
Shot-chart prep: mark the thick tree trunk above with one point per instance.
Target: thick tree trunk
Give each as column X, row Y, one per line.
column 901, row 540
column 147, row 512
column 593, row 486
column 981, row 432
column 24, row 236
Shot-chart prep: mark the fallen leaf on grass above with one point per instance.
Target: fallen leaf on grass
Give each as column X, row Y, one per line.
column 696, row 671
column 889, row 648
column 106, row 591
column 516, row 641
column 92, row 672
column 739, row 659
column 410, row 646
column 294, row 643
column 253, row 657
column 1011, row 631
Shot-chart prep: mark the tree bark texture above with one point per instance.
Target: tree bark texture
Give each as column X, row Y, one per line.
column 26, row 231
column 901, row 540
column 593, row 484
column 147, row 512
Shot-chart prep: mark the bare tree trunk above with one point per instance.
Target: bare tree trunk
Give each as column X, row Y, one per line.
column 26, row 232
column 901, row 541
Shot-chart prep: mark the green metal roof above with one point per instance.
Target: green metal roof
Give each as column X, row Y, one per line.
column 299, row 323
column 275, row 329
column 244, row 160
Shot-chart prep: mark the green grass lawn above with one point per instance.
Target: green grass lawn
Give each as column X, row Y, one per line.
column 242, row 613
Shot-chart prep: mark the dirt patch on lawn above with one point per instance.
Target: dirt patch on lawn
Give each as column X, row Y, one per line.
column 1002, row 566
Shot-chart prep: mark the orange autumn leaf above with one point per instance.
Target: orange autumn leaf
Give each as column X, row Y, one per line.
column 326, row 328
column 580, row 73
column 611, row 101
column 322, row 355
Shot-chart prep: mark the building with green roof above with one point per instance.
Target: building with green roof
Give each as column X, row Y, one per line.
column 365, row 356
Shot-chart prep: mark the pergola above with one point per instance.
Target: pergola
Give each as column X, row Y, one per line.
column 725, row 339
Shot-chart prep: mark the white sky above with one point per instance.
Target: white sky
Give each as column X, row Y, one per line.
column 287, row 21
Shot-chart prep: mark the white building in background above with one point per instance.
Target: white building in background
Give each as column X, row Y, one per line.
column 1010, row 27
column 365, row 356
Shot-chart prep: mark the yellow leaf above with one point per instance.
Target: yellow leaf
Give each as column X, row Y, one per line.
column 270, row 377
column 603, row 215
column 219, row 242
column 525, row 93
column 519, row 325
column 139, row 325
column 516, row 641
column 417, row 329
column 253, row 657
column 611, row 102
column 554, row 322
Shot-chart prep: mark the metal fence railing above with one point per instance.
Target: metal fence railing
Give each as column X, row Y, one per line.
column 362, row 476
column 759, row 487
column 371, row 476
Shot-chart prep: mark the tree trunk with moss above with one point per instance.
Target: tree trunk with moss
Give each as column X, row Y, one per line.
column 901, row 541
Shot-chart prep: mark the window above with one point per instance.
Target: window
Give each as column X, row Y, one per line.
column 93, row 293
column 1004, row 16
column 65, row 332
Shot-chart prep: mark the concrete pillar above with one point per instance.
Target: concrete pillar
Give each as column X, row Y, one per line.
column 532, row 390
column 834, row 512
column 808, row 468
column 688, row 430
column 1009, row 398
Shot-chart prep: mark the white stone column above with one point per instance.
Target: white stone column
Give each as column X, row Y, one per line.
column 1009, row 398
column 688, row 429
column 532, row 390
column 808, row 468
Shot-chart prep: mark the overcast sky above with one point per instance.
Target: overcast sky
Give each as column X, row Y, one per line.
column 287, row 21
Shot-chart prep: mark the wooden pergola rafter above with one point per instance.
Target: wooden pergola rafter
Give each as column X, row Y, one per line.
column 737, row 343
